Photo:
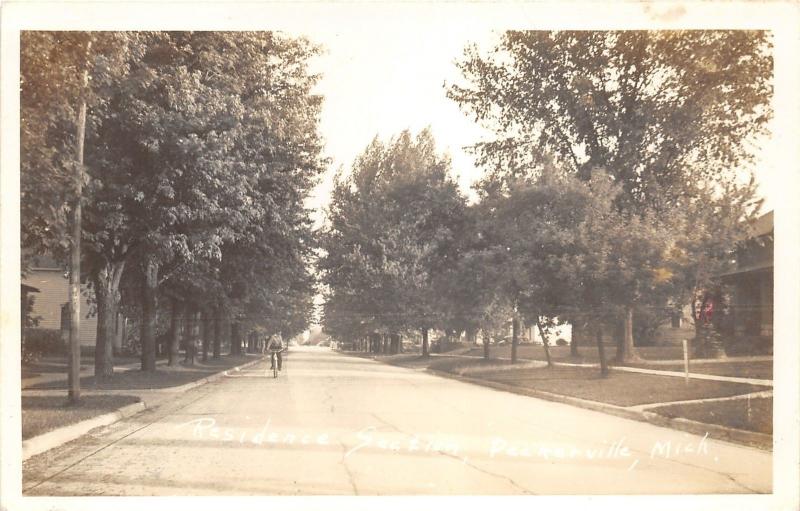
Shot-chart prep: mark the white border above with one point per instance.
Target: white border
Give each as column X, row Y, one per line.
column 307, row 17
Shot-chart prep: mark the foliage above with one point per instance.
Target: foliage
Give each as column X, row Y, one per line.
column 394, row 224
column 199, row 146
column 655, row 109
column 669, row 117
column 40, row 341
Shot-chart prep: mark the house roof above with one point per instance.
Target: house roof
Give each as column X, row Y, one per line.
column 764, row 224
column 762, row 266
column 29, row 289
column 759, row 262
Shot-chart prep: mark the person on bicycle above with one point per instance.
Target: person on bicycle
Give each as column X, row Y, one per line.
column 275, row 347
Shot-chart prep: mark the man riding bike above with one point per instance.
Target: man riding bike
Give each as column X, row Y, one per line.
column 275, row 346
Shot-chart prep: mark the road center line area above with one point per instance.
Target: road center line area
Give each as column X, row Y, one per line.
column 332, row 424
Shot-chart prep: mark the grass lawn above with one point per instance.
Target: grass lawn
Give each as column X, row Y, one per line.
column 58, row 364
column 748, row 414
column 761, row 370
column 162, row 377
column 619, row 388
column 41, row 414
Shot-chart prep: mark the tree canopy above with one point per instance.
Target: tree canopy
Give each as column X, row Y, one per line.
column 394, row 224
column 657, row 110
column 201, row 148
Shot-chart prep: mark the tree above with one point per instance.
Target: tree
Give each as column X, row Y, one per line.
column 670, row 116
column 651, row 108
column 56, row 93
column 393, row 226
column 196, row 141
column 469, row 287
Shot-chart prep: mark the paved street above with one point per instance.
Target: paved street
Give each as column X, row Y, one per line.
column 333, row 424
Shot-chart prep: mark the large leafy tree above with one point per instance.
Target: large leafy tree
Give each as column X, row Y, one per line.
column 670, row 116
column 575, row 255
column 195, row 141
column 651, row 108
column 67, row 80
column 394, row 224
column 471, row 290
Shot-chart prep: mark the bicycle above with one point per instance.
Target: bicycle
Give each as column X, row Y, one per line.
column 274, row 361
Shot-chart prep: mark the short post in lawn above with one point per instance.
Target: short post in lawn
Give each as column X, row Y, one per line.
column 686, row 360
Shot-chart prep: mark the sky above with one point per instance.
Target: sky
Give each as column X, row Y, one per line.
column 385, row 76
column 380, row 79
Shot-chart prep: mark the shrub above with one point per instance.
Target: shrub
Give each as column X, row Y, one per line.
column 561, row 342
column 646, row 322
column 41, row 341
column 708, row 343
column 747, row 346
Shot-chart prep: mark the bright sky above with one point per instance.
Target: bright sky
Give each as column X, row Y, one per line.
column 382, row 77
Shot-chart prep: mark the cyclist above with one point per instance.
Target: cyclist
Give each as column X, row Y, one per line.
column 275, row 347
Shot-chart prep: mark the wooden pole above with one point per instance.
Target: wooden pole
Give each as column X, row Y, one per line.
column 74, row 362
column 686, row 360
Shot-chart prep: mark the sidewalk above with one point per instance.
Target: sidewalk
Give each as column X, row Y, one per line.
column 149, row 398
column 657, row 372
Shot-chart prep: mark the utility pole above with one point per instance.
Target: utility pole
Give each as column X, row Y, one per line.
column 75, row 249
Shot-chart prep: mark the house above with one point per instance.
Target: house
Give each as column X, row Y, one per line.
column 52, row 282
column 751, row 284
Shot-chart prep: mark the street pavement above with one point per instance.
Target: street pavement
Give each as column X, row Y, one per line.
column 332, row 424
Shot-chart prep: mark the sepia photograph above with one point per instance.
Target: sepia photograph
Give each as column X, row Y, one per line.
column 392, row 250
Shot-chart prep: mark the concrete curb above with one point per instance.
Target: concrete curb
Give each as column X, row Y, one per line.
column 750, row 438
column 60, row 436
column 51, row 439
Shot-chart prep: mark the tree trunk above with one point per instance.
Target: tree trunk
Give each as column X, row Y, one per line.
column 514, row 339
column 106, row 329
column 175, row 332
column 472, row 335
column 425, row 351
column 189, row 333
column 106, row 284
column 236, row 340
column 206, row 333
column 619, row 340
column 149, row 315
column 545, row 343
column 487, row 339
column 629, row 350
column 577, row 329
column 601, row 351
column 217, row 347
